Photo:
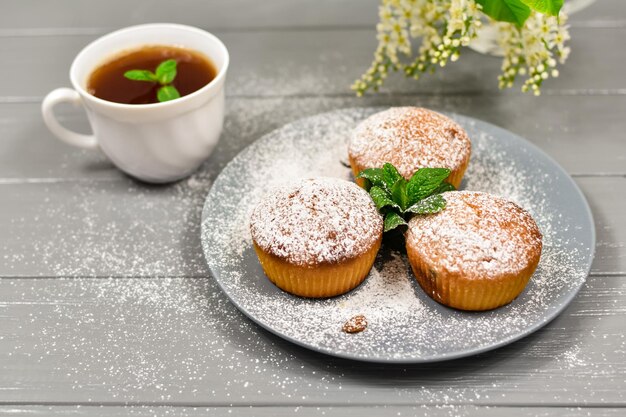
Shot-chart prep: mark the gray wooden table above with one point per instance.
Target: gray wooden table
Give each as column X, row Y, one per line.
column 106, row 304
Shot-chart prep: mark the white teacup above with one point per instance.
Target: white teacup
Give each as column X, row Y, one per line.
column 158, row 142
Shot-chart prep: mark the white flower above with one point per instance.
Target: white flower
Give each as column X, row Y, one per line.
column 444, row 26
column 533, row 50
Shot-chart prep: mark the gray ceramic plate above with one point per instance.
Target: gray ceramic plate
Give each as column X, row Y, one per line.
column 405, row 325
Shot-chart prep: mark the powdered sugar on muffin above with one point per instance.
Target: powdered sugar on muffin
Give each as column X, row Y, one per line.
column 316, row 221
column 478, row 234
column 410, row 138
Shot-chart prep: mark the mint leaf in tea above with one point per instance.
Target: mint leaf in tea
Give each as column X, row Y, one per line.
column 151, row 74
column 164, row 75
column 167, row 93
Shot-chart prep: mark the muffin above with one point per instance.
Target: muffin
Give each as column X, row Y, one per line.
column 476, row 254
column 317, row 237
column 410, row 138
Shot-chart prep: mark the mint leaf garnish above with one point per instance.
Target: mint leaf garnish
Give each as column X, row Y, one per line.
column 167, row 93
column 424, row 182
column 445, row 186
column 393, row 220
column 165, row 74
column 430, row 205
column 374, row 176
column 399, row 195
column 141, row 75
column 166, row 71
column 381, row 198
column 390, row 175
column 398, row 199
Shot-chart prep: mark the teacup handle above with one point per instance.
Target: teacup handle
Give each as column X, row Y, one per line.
column 52, row 99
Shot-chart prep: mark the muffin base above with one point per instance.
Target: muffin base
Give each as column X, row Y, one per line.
column 468, row 292
column 455, row 177
column 327, row 280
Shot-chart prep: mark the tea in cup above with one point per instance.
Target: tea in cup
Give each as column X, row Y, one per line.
column 160, row 125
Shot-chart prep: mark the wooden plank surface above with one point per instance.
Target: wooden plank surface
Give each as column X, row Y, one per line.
column 106, row 305
column 122, row 228
column 569, row 133
column 299, row 62
column 41, row 18
column 180, row 341
column 337, row 411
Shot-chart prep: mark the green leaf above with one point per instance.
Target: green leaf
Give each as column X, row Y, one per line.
column 390, row 175
column 514, row 11
column 167, row 93
column 374, row 175
column 445, row 186
column 399, row 195
column 424, row 182
column 549, row 7
column 429, row 205
column 381, row 198
column 140, row 75
column 393, row 220
column 166, row 71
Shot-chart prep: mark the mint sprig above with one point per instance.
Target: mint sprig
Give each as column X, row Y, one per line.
column 398, row 199
column 164, row 75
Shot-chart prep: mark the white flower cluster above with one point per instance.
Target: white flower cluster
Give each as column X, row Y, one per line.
column 445, row 26
column 533, row 50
